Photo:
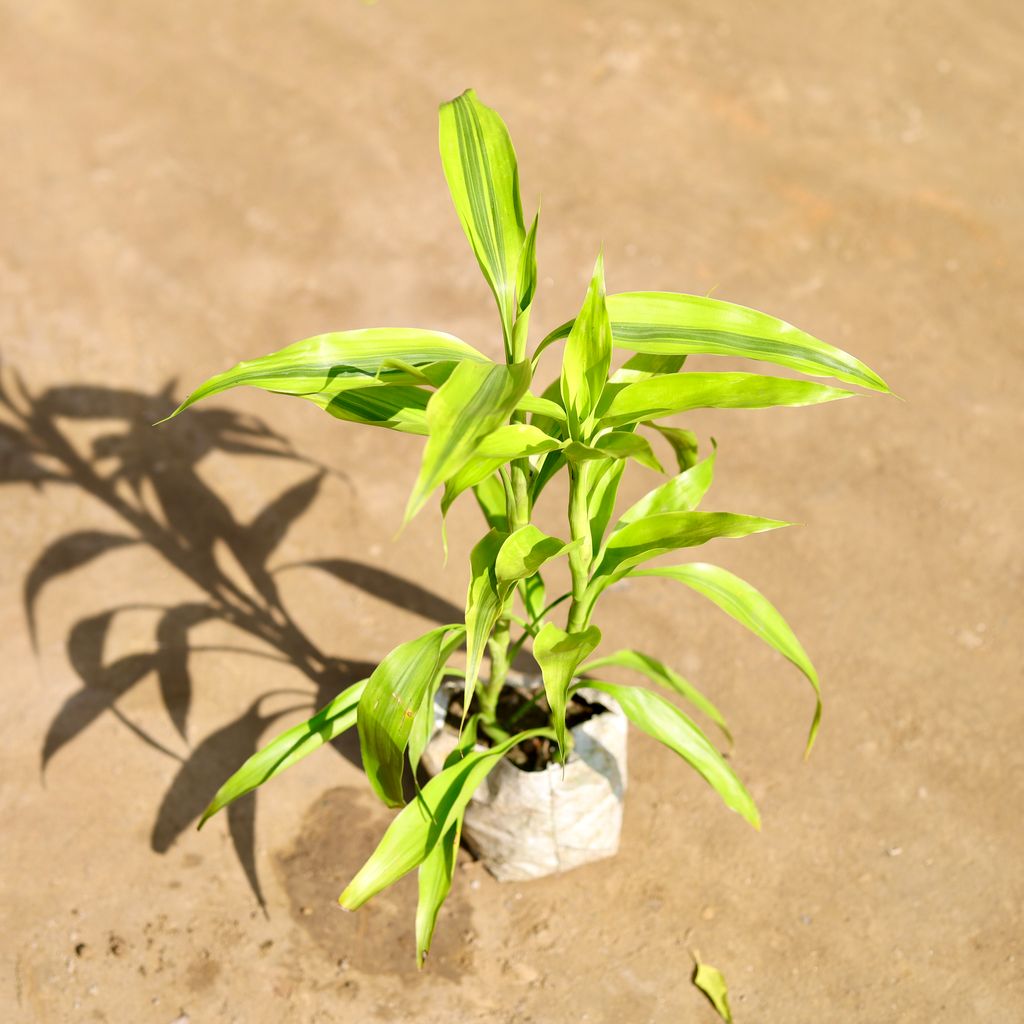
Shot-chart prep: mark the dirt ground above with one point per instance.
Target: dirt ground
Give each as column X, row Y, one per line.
column 187, row 184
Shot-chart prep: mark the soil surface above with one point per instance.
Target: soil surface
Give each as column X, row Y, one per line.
column 189, row 184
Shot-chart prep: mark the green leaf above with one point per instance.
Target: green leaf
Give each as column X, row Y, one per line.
column 526, row 275
column 390, row 702
column 511, row 441
column 544, row 407
column 683, row 493
column 525, row 551
column 668, row 323
column 617, row 444
column 711, row 982
column 420, row 825
column 668, row 725
column 497, row 564
column 526, row 287
column 546, row 471
column 479, row 475
column 480, row 167
column 750, row 607
column 474, row 400
column 515, row 441
column 660, row 673
column 559, row 654
column 288, row 748
column 435, row 882
column 644, row 538
column 534, row 596
column 586, row 359
column 603, row 488
column 662, row 396
column 490, row 496
column 326, row 365
column 485, row 601
column 396, row 407
column 683, row 442
column 643, row 365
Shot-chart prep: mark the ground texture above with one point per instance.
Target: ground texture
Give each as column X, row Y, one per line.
column 188, row 184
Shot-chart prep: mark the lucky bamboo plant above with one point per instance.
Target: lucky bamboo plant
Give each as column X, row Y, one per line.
column 490, row 431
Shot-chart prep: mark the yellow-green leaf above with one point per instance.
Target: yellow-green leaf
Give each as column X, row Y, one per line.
column 480, row 167
column 470, row 404
column 390, row 702
column 291, row 746
column 711, row 982
column 616, row 444
column 420, row 825
column 662, row 396
column 559, row 654
column 668, row 725
column 586, row 359
column 435, row 882
column 661, row 674
column 485, row 600
column 752, row 609
column 683, row 493
column 653, row 535
column 670, row 323
column 326, row 365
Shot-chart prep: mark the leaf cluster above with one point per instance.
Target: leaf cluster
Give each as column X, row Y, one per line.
column 492, row 431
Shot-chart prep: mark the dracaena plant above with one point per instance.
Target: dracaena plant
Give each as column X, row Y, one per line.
column 491, row 431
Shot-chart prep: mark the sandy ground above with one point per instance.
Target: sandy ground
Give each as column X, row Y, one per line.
column 187, row 184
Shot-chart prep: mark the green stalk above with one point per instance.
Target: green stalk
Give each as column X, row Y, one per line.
column 581, row 556
column 517, row 504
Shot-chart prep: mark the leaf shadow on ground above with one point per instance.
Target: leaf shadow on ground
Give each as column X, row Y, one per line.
column 149, row 479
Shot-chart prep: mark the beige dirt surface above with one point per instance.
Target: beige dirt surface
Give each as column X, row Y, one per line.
column 187, row 184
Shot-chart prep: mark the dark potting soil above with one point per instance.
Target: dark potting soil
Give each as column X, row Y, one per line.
column 518, row 711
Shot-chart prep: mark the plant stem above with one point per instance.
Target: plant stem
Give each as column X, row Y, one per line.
column 582, row 555
column 491, row 690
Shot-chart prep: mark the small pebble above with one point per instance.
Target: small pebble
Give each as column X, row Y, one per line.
column 894, row 851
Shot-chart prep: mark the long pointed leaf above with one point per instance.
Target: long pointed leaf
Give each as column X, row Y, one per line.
column 388, row 706
column 669, row 323
column 644, row 538
column 587, row 358
column 325, row 365
column 668, row 725
column 683, row 493
column 485, row 600
column 291, row 746
column 476, row 399
column 435, row 882
column 480, row 167
column 559, row 655
column 604, row 486
column 396, row 407
column 683, row 444
column 750, row 607
column 660, row 673
column 526, row 288
column 618, row 444
column 662, row 396
column 420, row 825
column 525, row 551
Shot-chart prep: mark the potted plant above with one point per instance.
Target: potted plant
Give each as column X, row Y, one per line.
column 492, row 432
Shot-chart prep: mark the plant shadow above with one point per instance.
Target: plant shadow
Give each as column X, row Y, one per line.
column 149, row 480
